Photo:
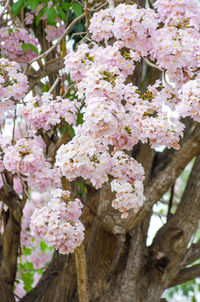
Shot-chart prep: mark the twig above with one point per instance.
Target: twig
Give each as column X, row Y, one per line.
column 161, row 69
column 98, row 7
column 13, row 132
column 152, row 64
column 87, row 14
column 15, row 19
column 165, row 81
column 111, row 3
column 78, row 34
column 48, row 51
column 54, row 84
column 170, row 202
column 5, row 7
column 79, row 3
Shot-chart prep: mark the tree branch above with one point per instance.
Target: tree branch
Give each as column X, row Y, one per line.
column 36, row 76
column 172, row 239
column 192, row 254
column 163, row 180
column 186, row 274
column 48, row 51
column 160, row 184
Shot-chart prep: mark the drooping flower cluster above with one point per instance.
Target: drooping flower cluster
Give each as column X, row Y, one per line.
column 13, row 83
column 58, row 223
column 44, row 112
column 26, row 158
column 170, row 35
column 127, row 23
column 86, row 157
column 176, row 44
column 127, row 184
column 190, row 100
column 128, row 196
column 35, row 253
column 115, row 56
column 176, row 11
column 11, row 42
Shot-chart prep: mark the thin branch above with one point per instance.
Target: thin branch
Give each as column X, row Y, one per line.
column 87, row 14
column 111, row 3
column 161, row 69
column 5, row 7
column 48, row 51
column 170, row 202
column 14, row 124
column 54, row 84
column 192, row 254
column 152, row 64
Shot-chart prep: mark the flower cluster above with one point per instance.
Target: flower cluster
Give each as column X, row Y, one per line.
column 58, row 223
column 169, row 35
column 179, row 12
column 127, row 23
column 127, row 184
column 11, row 41
column 26, row 157
column 115, row 56
column 53, row 32
column 128, row 196
column 44, row 112
column 13, row 83
column 86, row 157
column 190, row 100
column 118, row 115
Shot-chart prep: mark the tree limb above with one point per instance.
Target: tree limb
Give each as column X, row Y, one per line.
column 186, row 274
column 163, row 180
column 172, row 239
column 192, row 254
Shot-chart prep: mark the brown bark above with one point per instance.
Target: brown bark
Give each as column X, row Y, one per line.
column 10, row 241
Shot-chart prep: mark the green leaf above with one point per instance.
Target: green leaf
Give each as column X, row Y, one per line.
column 34, row 4
column 16, row 7
column 80, row 118
column 82, row 188
column 51, row 15
column 61, row 13
column 43, row 246
column 45, row 88
column 28, row 266
column 28, row 280
column 194, row 299
column 33, row 48
column 77, row 9
column 63, row 129
column 26, row 251
column 66, row 6
column 26, row 3
column 41, row 13
column 24, row 47
column 10, row 30
column 71, row 131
